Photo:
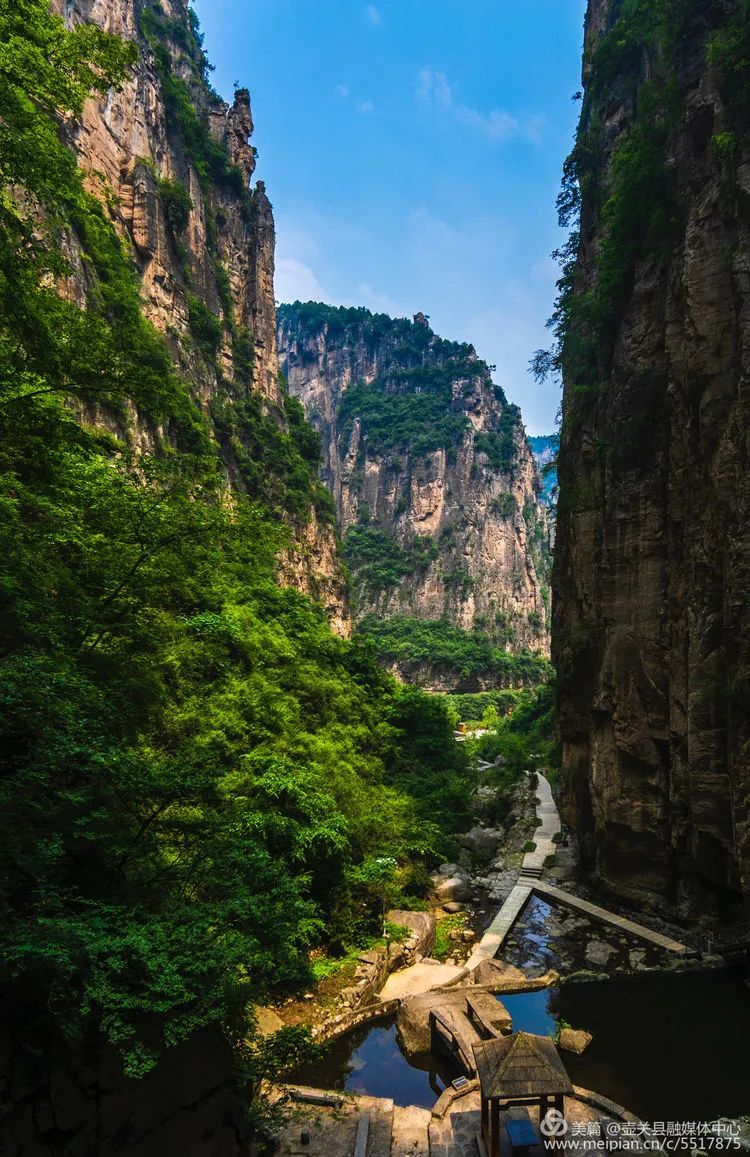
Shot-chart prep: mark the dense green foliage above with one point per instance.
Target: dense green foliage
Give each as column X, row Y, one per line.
column 379, row 563
column 500, row 445
column 338, row 320
column 729, row 53
column 278, row 454
column 419, row 420
column 177, row 205
column 475, row 706
column 464, row 654
column 195, row 771
column 523, row 738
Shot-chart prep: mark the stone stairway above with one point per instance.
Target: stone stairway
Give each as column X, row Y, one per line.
column 410, row 1132
column 381, row 1129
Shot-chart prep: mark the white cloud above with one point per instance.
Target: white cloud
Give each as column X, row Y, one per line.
column 373, row 15
column 435, row 91
column 341, row 90
column 366, row 106
column 378, row 302
column 296, row 281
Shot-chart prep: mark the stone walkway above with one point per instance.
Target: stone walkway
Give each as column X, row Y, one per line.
column 531, row 869
column 558, row 896
column 549, row 827
column 493, row 939
column 529, row 881
column 418, row 978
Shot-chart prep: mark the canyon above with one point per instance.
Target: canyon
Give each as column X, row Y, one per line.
column 226, row 525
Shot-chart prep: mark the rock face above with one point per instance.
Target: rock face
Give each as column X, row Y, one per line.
column 652, row 570
column 201, row 237
column 435, row 486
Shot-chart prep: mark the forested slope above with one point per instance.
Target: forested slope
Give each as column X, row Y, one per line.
column 196, row 772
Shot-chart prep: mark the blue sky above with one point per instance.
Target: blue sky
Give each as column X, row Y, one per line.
column 412, row 150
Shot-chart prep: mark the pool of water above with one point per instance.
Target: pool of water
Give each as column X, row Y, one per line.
column 548, row 936
column 668, row 1047
column 369, row 1060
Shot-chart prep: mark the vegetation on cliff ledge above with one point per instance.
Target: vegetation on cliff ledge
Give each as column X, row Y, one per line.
column 451, row 651
column 195, row 771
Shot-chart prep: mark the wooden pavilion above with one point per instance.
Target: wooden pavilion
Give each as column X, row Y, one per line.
column 520, row 1069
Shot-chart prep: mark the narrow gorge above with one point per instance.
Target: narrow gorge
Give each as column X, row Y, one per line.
column 374, row 776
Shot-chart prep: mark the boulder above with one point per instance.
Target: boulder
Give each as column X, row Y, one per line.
column 599, row 952
column 481, row 842
column 496, row 972
column 413, row 1018
column 453, row 906
column 574, row 1040
column 454, row 885
column 268, row 1021
column 420, row 924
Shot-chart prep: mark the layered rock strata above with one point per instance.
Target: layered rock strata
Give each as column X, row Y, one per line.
column 201, row 237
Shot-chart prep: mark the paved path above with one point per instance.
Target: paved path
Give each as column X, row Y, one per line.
column 492, row 941
column 531, row 869
column 530, row 881
column 549, row 826
column 418, row 978
column 594, row 912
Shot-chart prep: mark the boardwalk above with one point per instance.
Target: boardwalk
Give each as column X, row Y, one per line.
column 530, row 882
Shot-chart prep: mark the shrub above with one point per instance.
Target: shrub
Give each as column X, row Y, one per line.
column 177, row 205
column 463, row 653
column 505, row 505
column 205, row 326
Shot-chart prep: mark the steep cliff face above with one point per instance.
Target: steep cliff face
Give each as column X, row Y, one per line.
column 652, row 633
column 436, row 489
column 173, row 164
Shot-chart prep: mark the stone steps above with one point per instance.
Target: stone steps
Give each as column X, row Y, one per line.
column 410, row 1132
column 380, row 1130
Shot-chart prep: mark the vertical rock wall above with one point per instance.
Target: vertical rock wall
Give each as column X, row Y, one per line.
column 651, row 630
column 219, row 257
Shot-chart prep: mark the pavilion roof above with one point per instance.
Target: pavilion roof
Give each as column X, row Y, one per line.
column 520, row 1065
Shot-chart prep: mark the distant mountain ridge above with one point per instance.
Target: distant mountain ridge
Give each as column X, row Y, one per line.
column 544, row 448
column 436, row 489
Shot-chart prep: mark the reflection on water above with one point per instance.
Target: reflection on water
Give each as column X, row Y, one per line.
column 531, row 1012
column 553, row 937
column 668, row 1047
column 369, row 1060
